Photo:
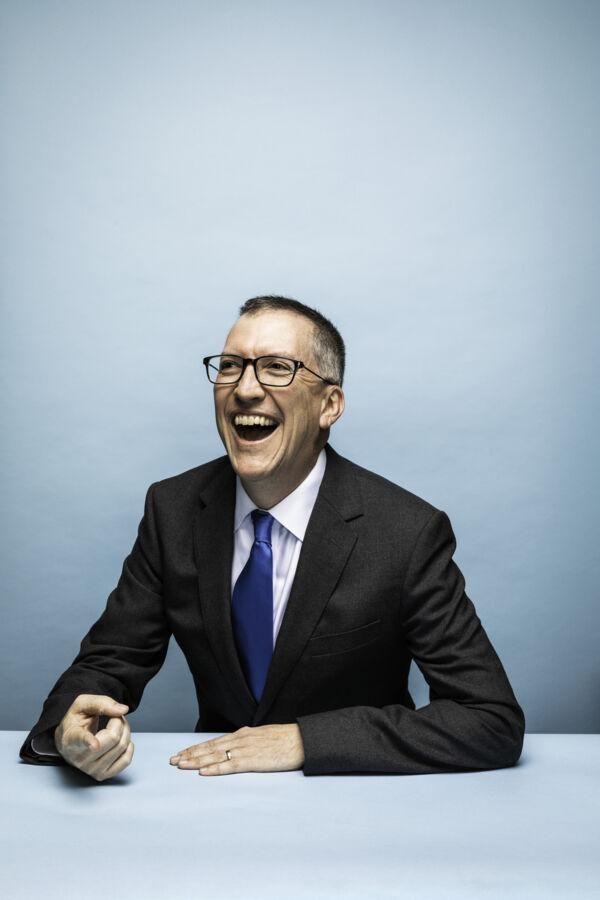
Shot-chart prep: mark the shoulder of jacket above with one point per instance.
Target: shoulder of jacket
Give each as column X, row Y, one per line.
column 192, row 481
column 380, row 493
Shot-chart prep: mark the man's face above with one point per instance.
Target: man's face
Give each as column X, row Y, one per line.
column 277, row 457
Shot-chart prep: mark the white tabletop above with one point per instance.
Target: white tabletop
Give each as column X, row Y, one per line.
column 529, row 832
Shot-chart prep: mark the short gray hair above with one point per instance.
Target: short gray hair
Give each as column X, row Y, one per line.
column 328, row 347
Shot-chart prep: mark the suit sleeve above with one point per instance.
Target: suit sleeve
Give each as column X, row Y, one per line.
column 122, row 650
column 473, row 720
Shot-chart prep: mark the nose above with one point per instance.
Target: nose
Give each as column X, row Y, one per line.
column 248, row 387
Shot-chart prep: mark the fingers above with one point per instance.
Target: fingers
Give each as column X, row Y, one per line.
column 192, row 757
column 227, row 755
column 190, row 752
column 205, row 754
column 265, row 748
column 110, row 750
column 113, row 739
column 97, row 705
column 115, row 754
column 81, row 720
column 120, row 763
column 116, row 751
column 80, row 747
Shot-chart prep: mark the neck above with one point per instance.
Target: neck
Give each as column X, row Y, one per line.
column 269, row 493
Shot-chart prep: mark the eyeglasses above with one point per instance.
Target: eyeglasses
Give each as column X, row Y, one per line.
column 270, row 371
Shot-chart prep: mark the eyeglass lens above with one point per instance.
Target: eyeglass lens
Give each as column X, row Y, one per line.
column 270, row 370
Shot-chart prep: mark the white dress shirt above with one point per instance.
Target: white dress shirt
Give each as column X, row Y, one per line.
column 291, row 517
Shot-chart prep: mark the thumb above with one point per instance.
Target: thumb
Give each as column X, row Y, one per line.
column 98, row 705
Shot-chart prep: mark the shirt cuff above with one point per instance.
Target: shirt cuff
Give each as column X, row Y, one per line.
column 43, row 744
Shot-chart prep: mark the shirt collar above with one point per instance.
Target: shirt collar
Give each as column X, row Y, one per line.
column 293, row 512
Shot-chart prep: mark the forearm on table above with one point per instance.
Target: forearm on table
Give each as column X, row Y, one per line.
column 444, row 736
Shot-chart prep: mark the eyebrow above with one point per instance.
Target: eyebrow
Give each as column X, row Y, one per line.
column 285, row 353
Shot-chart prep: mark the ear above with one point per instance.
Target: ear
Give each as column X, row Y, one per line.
column 332, row 406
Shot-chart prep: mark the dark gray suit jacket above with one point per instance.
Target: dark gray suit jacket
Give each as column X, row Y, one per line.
column 376, row 587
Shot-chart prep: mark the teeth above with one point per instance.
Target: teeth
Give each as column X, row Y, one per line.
column 254, row 420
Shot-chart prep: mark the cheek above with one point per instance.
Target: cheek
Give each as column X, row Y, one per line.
column 220, row 416
column 305, row 426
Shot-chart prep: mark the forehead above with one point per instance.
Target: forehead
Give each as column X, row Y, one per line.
column 270, row 331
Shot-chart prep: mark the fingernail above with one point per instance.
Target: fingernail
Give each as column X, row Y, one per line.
column 175, row 758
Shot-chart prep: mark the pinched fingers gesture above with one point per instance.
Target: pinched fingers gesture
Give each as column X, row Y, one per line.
column 266, row 748
column 100, row 754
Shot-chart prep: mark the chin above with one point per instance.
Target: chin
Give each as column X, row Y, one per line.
column 249, row 469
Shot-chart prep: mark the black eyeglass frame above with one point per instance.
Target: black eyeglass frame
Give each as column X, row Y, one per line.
column 246, row 361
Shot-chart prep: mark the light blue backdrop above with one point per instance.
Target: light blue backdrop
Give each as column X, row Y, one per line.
column 425, row 173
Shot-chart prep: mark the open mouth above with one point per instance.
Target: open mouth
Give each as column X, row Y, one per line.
column 254, row 428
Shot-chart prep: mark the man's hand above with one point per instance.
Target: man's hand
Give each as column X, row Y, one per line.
column 101, row 754
column 266, row 748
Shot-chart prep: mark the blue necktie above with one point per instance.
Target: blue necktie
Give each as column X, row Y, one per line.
column 252, row 606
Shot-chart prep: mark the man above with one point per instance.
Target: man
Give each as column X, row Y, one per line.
column 298, row 585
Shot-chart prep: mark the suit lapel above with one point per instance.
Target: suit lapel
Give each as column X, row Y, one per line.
column 213, row 545
column 328, row 542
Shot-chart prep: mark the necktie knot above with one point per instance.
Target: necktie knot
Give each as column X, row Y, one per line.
column 263, row 522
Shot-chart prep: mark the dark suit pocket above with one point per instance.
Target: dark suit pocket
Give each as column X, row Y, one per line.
column 343, row 641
